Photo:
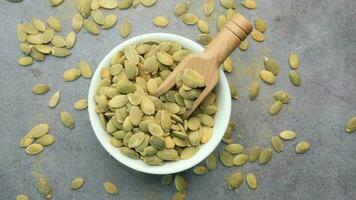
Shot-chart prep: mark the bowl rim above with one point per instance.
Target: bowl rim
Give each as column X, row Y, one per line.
column 182, row 164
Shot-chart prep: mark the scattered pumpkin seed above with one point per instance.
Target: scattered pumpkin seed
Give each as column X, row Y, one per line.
column 228, row 64
column 200, row 170
column 254, row 90
column 81, row 104
column 254, row 153
column 244, row 45
column 22, row 197
column 277, row 144
column 25, row 61
column 211, row 162
column 249, row 4
column 235, row 181
column 70, row 40
column 67, row 119
column 208, row 7
column 282, row 96
column 77, row 22
column 265, row 156
column 268, row 77
column 287, row 135
column 351, row 125
column 44, row 188
column 275, row 108
column 58, row 41
column 302, row 147
column 295, row 78
column 71, row 74
column 39, row 24
column 167, row 179
column 233, row 91
column 53, row 101
column 260, row 25
column 109, row 21
column 20, row 33
column 26, row 141
column 25, row 48
column 110, row 188
column 40, row 89
column 251, row 180
column 179, row 196
column 91, row 27
column 85, row 69
column 109, row 4
column 180, row 183
column 189, row 152
column 181, row 8
column 124, row 4
column 60, row 52
column 293, row 60
column 125, row 29
column 77, row 183
column 257, row 35
column 45, row 140
column 226, row 158
column 43, row 48
column 38, row 130
column 240, row 159
column 34, row 149
column 203, row 26
column 29, row 28
column 204, row 38
column 221, row 21
column 55, row 2
column 148, row 3
column 189, row 18
column 228, row 3
column 234, row 148
column 97, row 16
column 160, row 21
column 271, row 65
column 47, row 35
column 54, row 24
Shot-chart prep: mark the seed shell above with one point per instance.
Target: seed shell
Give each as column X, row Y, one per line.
column 351, row 125
column 265, row 156
column 179, row 196
column 44, row 188
column 302, row 147
column 67, row 119
column 29, row 28
column 53, row 101
column 40, row 89
column 251, row 180
column 203, row 26
column 26, row 141
column 221, row 21
column 38, row 130
column 110, row 188
column 83, row 7
column 77, row 183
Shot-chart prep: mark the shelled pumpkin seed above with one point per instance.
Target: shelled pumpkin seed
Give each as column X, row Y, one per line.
column 91, row 27
column 228, row 64
column 40, row 88
column 282, row 96
column 203, row 26
column 244, row 45
column 275, row 108
column 302, row 147
column 181, row 8
column 53, row 101
column 200, row 170
column 277, row 144
column 351, row 125
column 233, row 91
column 249, row 4
column 287, row 135
column 125, row 29
column 34, row 149
column 167, row 179
column 251, row 180
column 189, row 19
column 109, row 21
column 111, row 188
column 254, row 90
column 293, row 60
column 81, row 104
column 67, row 119
column 124, row 4
column 260, row 25
column 180, row 183
column 22, row 197
column 45, row 140
column 228, row 3
column 211, row 162
column 265, row 156
column 257, row 35
column 77, row 22
column 179, row 196
column 25, row 61
column 208, row 7
column 160, row 21
column 268, row 77
column 54, row 24
column 44, row 188
column 77, row 183
column 220, row 22
column 204, row 38
column 295, row 78
column 55, row 2
column 240, row 159
column 235, row 180
column 226, row 158
column 271, row 65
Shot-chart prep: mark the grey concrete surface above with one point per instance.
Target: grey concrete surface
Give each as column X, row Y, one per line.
column 321, row 31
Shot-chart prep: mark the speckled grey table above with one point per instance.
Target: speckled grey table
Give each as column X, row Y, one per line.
column 321, row 31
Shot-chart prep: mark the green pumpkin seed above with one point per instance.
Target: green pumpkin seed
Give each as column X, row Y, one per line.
column 147, row 106
column 135, row 115
column 153, row 161
column 271, row 65
column 91, row 27
column 167, row 179
column 189, row 152
column 302, row 147
column 277, row 144
column 287, row 135
column 157, row 142
column 94, row 4
column 35, row 39
column 22, row 197
column 38, row 131
column 204, row 38
column 164, row 58
column 126, row 87
column 77, row 183
column 228, row 65
column 85, row 69
column 39, row 24
column 60, row 52
column 26, row 141
column 70, row 40
column 54, row 24
column 55, row 2
column 97, row 16
column 109, row 4
column 244, row 45
column 179, row 55
column 81, row 104
column 110, row 188
column 67, row 119
column 20, row 33
column 148, row 3
column 189, row 19
column 228, row 3
column 25, row 48
column 116, row 143
column 155, row 130
column 25, row 61
column 77, row 22
column 275, row 108
column 235, row 181
column 45, row 140
column 192, row 78
column 230, row 12
column 260, row 25
column 254, row 153
column 251, row 181
column 234, row 148
column 249, row 4
column 71, row 74
column 257, row 36
column 293, row 60
column 43, row 49
column 254, row 90
column 211, row 162
column 40, row 89
column 29, row 28
column 203, row 26
column 109, row 21
column 47, row 35
column 58, row 41
column 221, row 21
column 124, row 4
column 180, row 183
column 282, row 96
column 160, row 21
column 181, row 8
column 44, row 188
column 226, row 158
column 240, row 159
column 351, row 125
column 136, row 140
column 34, row 149
column 125, row 29
column 295, row 78
column 268, row 77
column 179, row 196
column 208, row 7
column 265, row 156
column 83, row 7
column 53, row 101
column 37, row 55
column 200, row 170
column 168, row 154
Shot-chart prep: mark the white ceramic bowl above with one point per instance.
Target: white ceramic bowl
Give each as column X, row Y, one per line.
column 221, row 117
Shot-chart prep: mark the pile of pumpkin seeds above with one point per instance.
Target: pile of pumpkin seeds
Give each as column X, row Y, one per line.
column 36, row 139
column 143, row 126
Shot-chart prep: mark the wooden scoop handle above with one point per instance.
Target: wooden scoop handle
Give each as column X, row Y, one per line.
column 229, row 38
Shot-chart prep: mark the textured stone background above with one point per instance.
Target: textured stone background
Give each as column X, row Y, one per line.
column 321, row 31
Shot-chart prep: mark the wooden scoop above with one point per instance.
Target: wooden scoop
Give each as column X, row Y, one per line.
column 208, row 62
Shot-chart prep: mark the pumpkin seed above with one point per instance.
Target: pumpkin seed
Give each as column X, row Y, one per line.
column 20, row 33
column 221, row 21
column 83, row 7
column 180, row 183
column 200, row 170
column 204, row 38
column 43, row 49
column 126, row 87
column 81, row 104
column 77, row 22
column 287, row 135
column 260, row 25
column 282, row 96
column 167, row 154
column 53, row 101
column 208, row 7
column 37, row 55
column 136, row 140
column 254, row 153
column 268, row 77
column 77, row 183
column 277, row 144
column 207, row 132
column 110, row 188
column 129, row 152
column 240, row 159
column 34, row 149
column 55, row 2
column 293, row 60
column 265, row 156
column 22, row 197
column 189, row 19
column 54, row 24
column 124, row 4
column 234, row 148
column 35, row 39
column 40, row 88
column 116, row 143
column 179, row 55
column 302, row 147
column 251, row 181
column 45, row 140
column 228, row 65
column 67, row 119
column 226, row 158
column 148, row 3
column 153, row 161
column 108, row 4
column 44, row 188
column 228, row 3
column 85, row 69
column 235, row 181
column 211, row 162
column 179, row 196
column 160, row 21
column 109, row 21
column 70, row 40
column 91, row 27
column 295, row 78
column 47, row 35
column 244, row 45
column 58, row 41
column 351, row 125
column 25, row 48
column 71, row 74
column 97, row 16
column 125, row 29
column 254, row 90
column 38, row 130
column 167, row 179
column 189, row 152
column 203, row 26
column 60, row 52
column 39, row 24
column 181, row 8
column 257, row 36
column 249, row 4
column 26, row 141
column 25, row 61
column 230, row 12
column 29, row 28
column 94, row 4
column 271, row 65
column 192, row 78
column 275, row 108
